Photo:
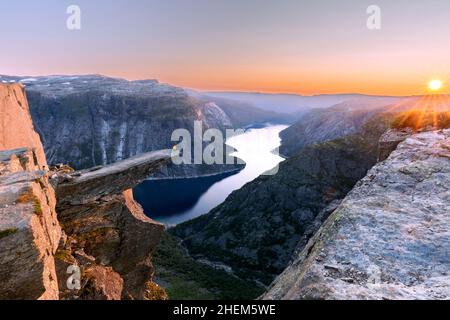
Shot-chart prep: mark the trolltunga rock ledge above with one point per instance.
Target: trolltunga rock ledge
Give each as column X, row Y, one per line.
column 108, row 235
column 390, row 237
column 88, row 185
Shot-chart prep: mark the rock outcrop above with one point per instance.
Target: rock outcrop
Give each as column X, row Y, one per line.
column 338, row 121
column 390, row 140
column 91, row 223
column 29, row 229
column 90, row 185
column 106, row 228
column 389, row 239
column 16, row 125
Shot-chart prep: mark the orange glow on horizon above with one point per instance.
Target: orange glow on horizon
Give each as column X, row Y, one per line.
column 302, row 83
column 419, row 113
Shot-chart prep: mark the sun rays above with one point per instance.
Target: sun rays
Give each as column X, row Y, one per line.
column 421, row 112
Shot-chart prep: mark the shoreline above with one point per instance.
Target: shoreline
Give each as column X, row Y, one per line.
column 208, row 175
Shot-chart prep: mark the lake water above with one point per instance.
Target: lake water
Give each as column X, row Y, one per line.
column 174, row 201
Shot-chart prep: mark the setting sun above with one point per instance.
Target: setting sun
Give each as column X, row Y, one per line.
column 435, row 85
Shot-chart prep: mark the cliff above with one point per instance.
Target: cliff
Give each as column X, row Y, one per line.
column 106, row 229
column 17, row 130
column 389, row 238
column 338, row 121
column 86, row 223
column 29, row 229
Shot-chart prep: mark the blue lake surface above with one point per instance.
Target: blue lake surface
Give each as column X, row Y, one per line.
column 174, row 201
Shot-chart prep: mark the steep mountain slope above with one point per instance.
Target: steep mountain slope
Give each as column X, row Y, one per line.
column 184, row 278
column 337, row 121
column 291, row 103
column 242, row 114
column 389, row 239
column 93, row 120
column 259, row 227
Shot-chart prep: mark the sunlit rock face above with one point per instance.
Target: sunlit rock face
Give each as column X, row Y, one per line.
column 389, row 238
column 29, row 229
column 16, row 125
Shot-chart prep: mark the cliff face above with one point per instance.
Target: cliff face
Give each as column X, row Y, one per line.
column 92, row 120
column 389, row 238
column 29, row 229
column 90, row 222
column 335, row 122
column 17, row 130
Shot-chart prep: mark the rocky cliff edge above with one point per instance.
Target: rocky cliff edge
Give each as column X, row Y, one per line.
column 389, row 239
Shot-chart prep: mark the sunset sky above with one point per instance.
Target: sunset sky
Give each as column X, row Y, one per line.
column 293, row 46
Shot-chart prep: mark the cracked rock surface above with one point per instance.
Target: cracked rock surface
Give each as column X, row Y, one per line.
column 390, row 237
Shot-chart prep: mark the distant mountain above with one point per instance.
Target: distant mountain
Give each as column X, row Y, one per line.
column 288, row 103
column 337, row 121
column 242, row 113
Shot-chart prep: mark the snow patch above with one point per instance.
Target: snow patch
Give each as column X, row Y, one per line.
column 28, row 80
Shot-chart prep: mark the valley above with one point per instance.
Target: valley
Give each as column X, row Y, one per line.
column 178, row 200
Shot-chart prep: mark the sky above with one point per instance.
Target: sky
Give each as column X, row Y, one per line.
column 290, row 46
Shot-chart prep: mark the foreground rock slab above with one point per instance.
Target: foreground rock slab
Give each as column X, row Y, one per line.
column 29, row 229
column 390, row 237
